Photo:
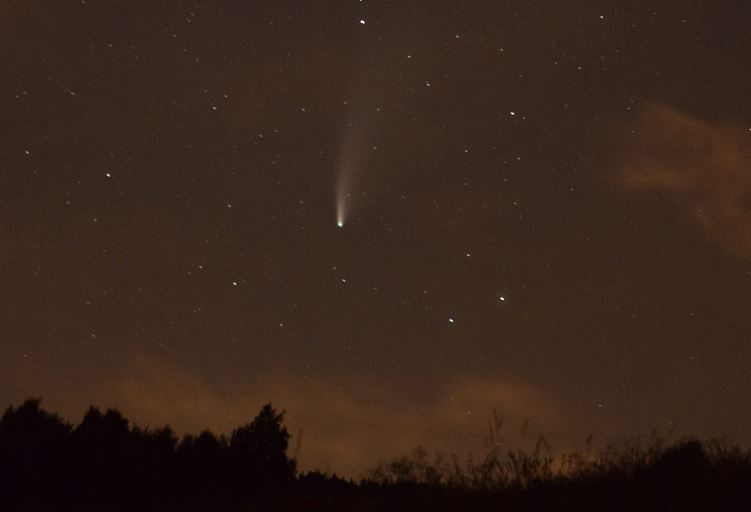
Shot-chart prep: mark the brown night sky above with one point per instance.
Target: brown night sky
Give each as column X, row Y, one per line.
column 546, row 209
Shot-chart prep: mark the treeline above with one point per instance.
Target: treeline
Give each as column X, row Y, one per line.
column 45, row 460
column 107, row 463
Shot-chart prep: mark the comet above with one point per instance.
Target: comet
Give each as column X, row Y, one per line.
column 348, row 167
column 341, row 203
column 354, row 144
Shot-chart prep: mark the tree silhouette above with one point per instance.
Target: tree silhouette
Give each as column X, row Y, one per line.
column 259, row 450
column 201, row 463
column 104, row 453
column 34, row 449
column 152, row 464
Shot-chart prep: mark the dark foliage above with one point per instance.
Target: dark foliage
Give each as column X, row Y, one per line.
column 48, row 464
column 105, row 463
column 258, row 451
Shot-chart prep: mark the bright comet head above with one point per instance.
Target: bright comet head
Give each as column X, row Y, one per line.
column 340, row 210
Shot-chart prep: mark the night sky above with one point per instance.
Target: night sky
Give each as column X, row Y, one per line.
column 545, row 209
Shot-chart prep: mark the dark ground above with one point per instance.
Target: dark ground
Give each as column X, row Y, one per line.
column 105, row 463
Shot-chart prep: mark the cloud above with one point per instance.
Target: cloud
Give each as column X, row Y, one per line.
column 344, row 430
column 705, row 167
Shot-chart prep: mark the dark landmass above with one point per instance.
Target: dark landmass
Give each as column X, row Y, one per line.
column 106, row 463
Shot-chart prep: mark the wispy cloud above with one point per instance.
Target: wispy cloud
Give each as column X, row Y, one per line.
column 342, row 430
column 704, row 166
